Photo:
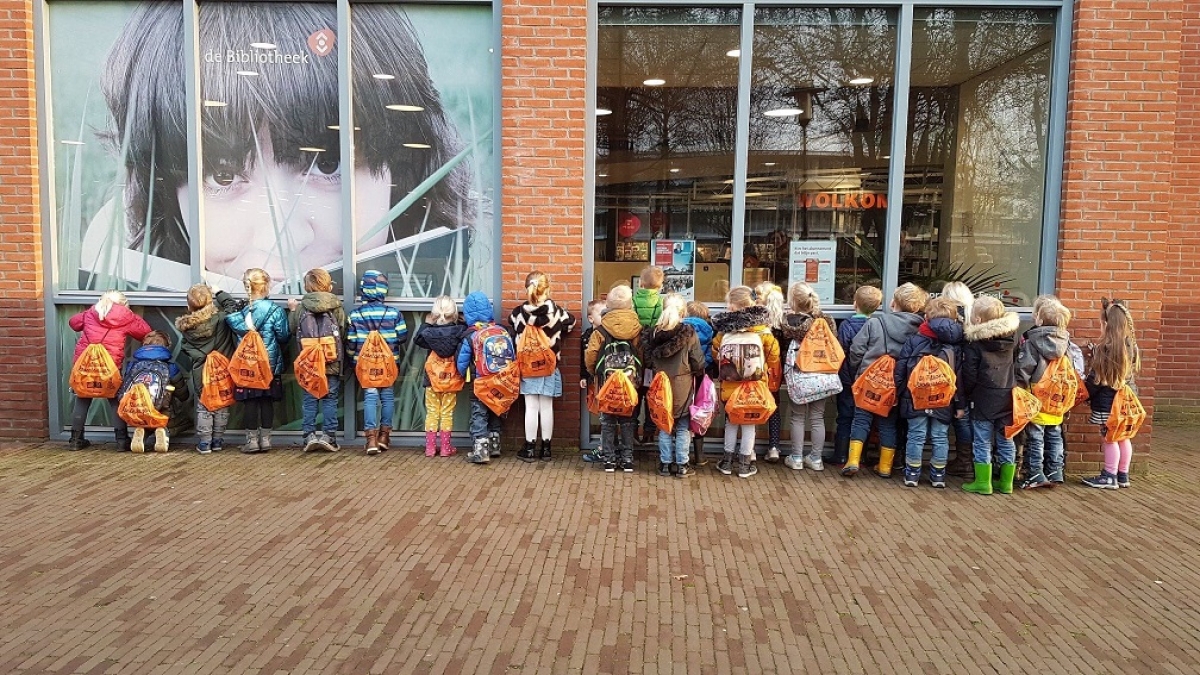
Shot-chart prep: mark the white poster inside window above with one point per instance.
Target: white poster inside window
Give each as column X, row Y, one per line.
column 677, row 258
column 814, row 263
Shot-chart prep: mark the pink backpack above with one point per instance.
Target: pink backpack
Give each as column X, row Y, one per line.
column 704, row 407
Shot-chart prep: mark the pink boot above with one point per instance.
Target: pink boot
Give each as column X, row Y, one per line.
column 447, row 448
column 431, row 444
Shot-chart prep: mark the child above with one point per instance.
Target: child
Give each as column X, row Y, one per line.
column 647, row 302
column 373, row 315
column 987, row 380
column 940, row 336
column 770, row 296
column 485, row 424
column 109, row 323
column 747, row 320
column 319, row 314
column 441, row 334
column 539, row 392
column 673, row 348
column 867, row 299
column 620, row 328
column 1045, row 342
column 595, row 313
column 205, row 330
column 881, row 334
column 804, row 308
column 270, row 320
column 961, row 466
column 698, row 318
column 1115, row 361
column 151, row 365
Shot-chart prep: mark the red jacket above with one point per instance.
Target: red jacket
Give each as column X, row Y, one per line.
column 120, row 323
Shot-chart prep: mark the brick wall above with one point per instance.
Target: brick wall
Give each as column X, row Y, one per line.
column 543, row 70
column 23, row 407
column 1117, row 187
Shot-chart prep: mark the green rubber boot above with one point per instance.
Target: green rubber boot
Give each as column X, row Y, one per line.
column 1007, row 471
column 982, row 485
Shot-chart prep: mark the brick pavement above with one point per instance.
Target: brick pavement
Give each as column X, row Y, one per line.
column 292, row 563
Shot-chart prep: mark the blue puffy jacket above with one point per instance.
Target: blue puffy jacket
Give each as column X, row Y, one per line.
column 270, row 320
column 704, row 331
column 477, row 311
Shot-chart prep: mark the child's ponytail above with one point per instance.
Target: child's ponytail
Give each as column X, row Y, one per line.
column 106, row 302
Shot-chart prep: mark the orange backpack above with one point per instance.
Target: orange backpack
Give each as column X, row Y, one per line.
column 593, row 405
column 931, row 383
column 250, row 366
column 875, row 389
column 751, row 403
column 137, row 409
column 216, row 391
column 1126, row 417
column 534, row 353
column 95, row 374
column 820, row 351
column 442, row 372
column 376, row 365
column 1025, row 407
column 660, row 399
column 617, row 396
column 1058, row 388
column 310, row 371
column 499, row 390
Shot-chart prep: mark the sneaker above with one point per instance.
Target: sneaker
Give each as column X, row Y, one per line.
column 1105, row 481
column 746, row 467
column 627, row 466
column 328, row 441
column 161, row 442
column 494, row 444
column 527, row 453
column 1037, row 481
column 937, row 477
column 1122, row 479
column 912, row 476
column 684, row 471
column 1055, row 477
column 772, row 454
column 479, row 453
column 218, row 444
column 592, row 457
column 725, row 466
column 794, row 462
column 664, row 469
column 138, row 444
column 610, row 467
column 814, row 462
column 204, row 448
column 312, row 442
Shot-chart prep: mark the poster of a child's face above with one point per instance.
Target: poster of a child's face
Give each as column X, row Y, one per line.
column 272, row 179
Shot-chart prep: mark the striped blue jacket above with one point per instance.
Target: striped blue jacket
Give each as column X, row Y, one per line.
column 371, row 316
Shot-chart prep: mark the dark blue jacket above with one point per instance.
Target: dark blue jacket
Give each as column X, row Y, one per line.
column 949, row 335
column 443, row 340
column 845, row 334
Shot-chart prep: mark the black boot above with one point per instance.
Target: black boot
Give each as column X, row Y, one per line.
column 124, row 444
column 527, row 453
column 77, row 442
column 545, row 450
column 841, row 451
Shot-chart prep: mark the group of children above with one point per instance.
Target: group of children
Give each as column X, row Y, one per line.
column 928, row 367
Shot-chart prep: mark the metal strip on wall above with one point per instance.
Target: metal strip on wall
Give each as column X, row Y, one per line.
column 1056, row 138
column 737, row 244
column 896, row 166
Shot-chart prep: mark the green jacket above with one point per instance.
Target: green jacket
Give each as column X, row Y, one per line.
column 648, row 305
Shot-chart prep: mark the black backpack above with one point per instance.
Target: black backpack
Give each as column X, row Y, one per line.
column 156, row 375
column 321, row 330
column 617, row 355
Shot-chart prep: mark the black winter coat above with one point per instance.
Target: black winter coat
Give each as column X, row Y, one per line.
column 988, row 373
column 948, row 341
column 205, row 331
column 441, row 340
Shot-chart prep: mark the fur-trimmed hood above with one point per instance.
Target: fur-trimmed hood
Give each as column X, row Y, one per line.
column 666, row 343
column 741, row 320
column 199, row 323
column 1004, row 327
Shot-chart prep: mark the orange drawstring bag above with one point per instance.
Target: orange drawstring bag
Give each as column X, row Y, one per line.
column 618, row 395
column 875, row 389
column 443, row 374
column 250, row 366
column 931, row 383
column 137, row 409
column 1025, row 407
column 660, row 398
column 376, row 367
column 820, row 351
column 1059, row 387
column 95, row 374
column 1126, row 417
column 534, row 353
column 310, row 371
column 751, row 403
column 592, row 405
column 500, row 390
column 216, row 391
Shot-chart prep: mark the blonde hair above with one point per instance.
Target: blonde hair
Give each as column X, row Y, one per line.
column 867, row 299
column 199, row 297
column 802, row 299
column 1048, row 311
column 105, row 304
column 698, row 309
column 651, row 277
column 620, row 297
column 771, row 297
column 910, row 298
column 317, row 281
column 739, row 297
column 960, row 293
column 673, row 310
column 257, row 283
column 941, row 308
column 1116, row 358
column 986, row 308
column 537, row 287
column 444, row 311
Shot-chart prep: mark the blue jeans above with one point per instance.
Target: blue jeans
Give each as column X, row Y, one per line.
column 1042, row 442
column 963, row 435
column 938, row 431
column 372, row 397
column 984, row 430
column 860, row 428
column 675, row 447
column 483, row 420
column 845, row 417
column 329, row 406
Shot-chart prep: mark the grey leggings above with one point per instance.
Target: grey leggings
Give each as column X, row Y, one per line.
column 79, row 417
column 211, row 425
column 811, row 415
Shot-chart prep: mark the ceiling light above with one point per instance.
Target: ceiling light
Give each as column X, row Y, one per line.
column 383, row 76
column 247, row 73
column 601, row 112
column 674, row 170
column 72, row 142
column 334, row 127
column 733, row 53
column 262, row 45
column 602, row 175
column 862, row 80
column 215, row 104
column 784, row 112
column 417, row 146
column 768, row 163
column 307, row 148
column 654, row 82
column 754, row 194
column 404, row 107
column 886, row 157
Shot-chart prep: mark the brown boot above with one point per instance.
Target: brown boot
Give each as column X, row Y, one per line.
column 372, row 444
column 384, row 438
column 963, row 464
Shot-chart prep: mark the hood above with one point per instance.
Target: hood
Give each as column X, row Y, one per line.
column 118, row 316
column 477, row 308
column 645, row 296
column 947, row 331
column 666, row 343
column 796, row 325
column 1050, row 342
column 320, row 302
column 374, row 285
column 704, row 329
column 741, row 320
column 899, row 323
column 199, row 324
column 622, row 324
column 1005, row 326
column 152, row 353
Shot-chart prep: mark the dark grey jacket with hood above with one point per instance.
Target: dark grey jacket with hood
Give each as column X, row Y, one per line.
column 884, row 333
column 1040, row 346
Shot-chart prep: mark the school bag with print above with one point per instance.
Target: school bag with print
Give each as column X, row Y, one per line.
column 154, row 379
column 250, row 366
column 803, row 386
column 1126, row 417
column 741, row 357
column 499, row 391
column 704, row 406
column 443, row 375
column 617, row 369
column 660, row 400
column 1025, row 407
column 309, row 368
column 875, row 390
column 820, row 351
column 751, row 403
column 932, row 382
column 138, row 410
column 1058, row 388
column 216, row 385
column 493, row 348
column 321, row 331
column 95, row 374
column 534, row 353
column 376, row 365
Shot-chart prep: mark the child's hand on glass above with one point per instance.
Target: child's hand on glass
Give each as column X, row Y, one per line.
column 293, row 304
column 583, row 384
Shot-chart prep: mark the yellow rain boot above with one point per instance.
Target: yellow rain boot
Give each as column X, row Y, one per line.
column 884, row 469
column 851, row 466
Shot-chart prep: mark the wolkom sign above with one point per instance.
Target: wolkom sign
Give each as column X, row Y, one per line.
column 842, row 200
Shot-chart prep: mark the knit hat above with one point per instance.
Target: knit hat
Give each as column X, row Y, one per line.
column 374, row 285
